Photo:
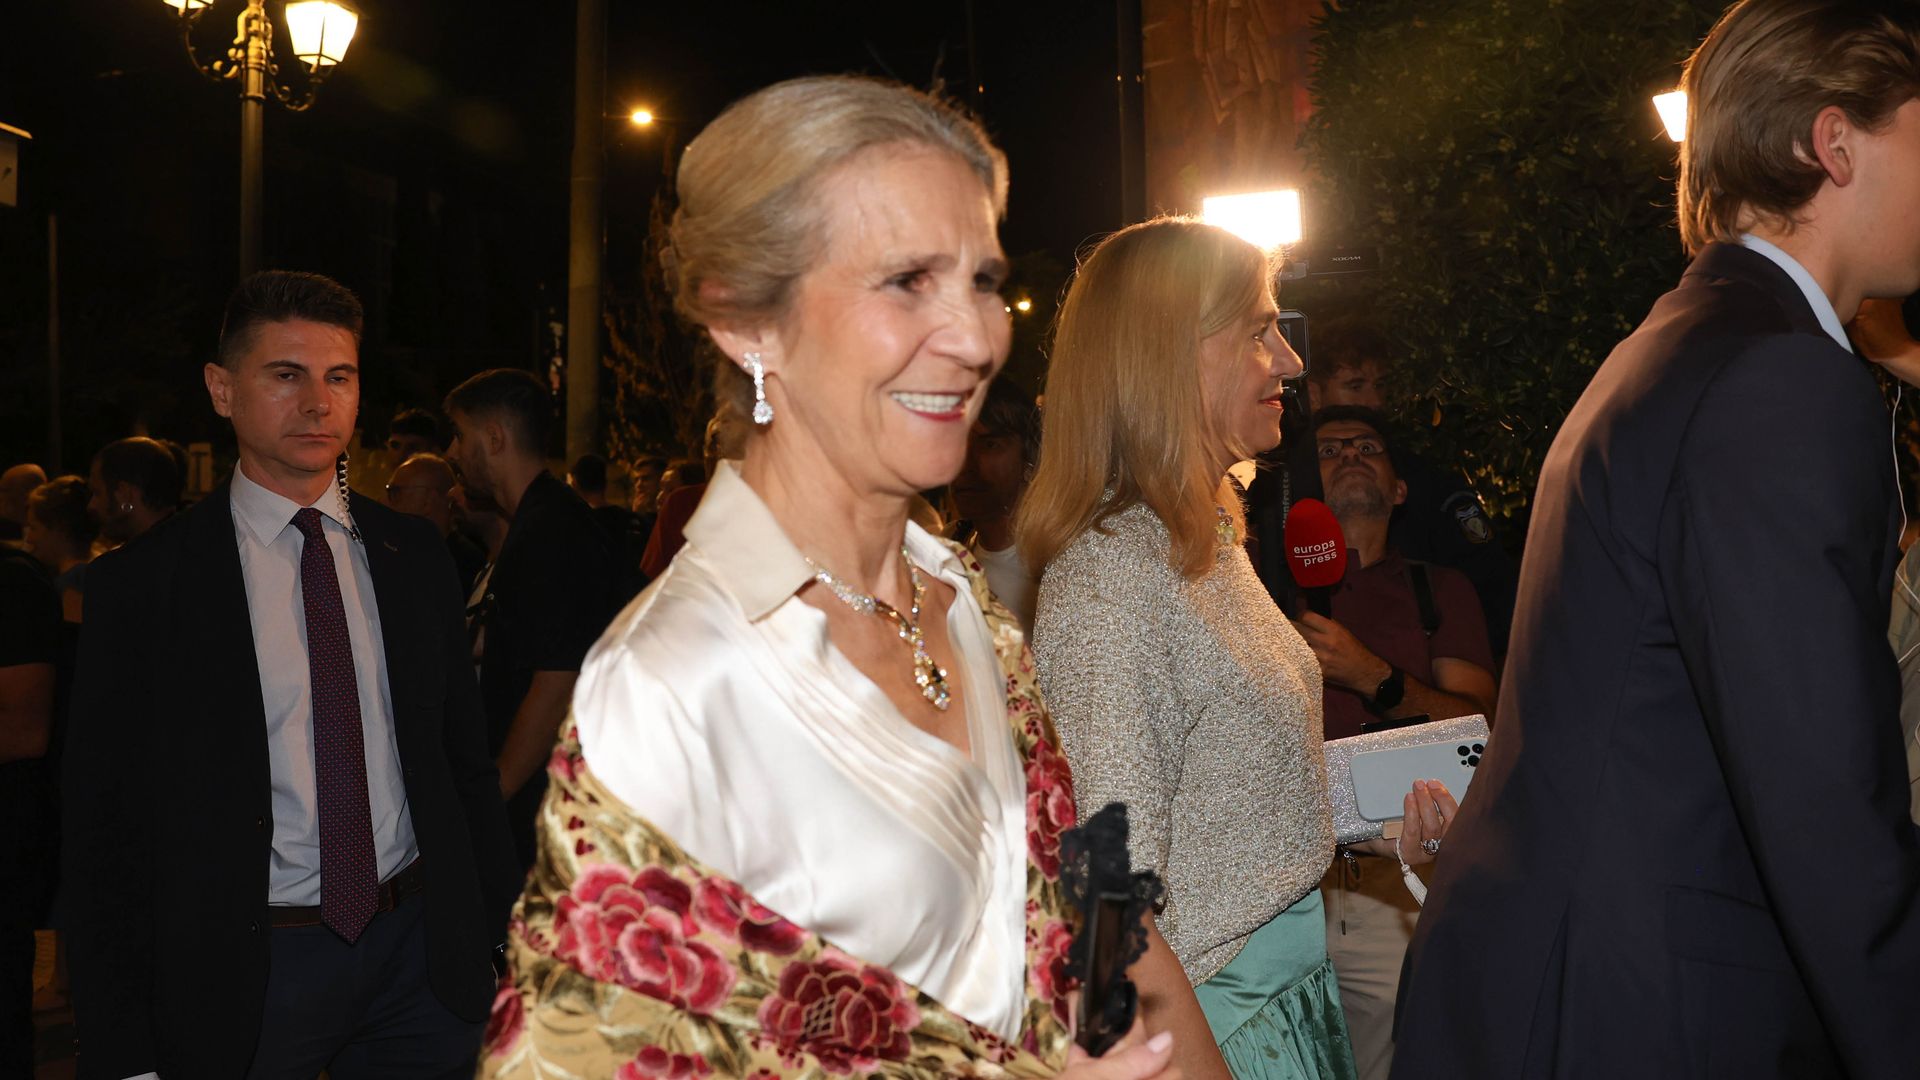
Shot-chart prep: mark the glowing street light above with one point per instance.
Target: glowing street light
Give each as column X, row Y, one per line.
column 320, row 31
column 641, row 117
column 1023, row 305
column 1265, row 219
column 1672, row 107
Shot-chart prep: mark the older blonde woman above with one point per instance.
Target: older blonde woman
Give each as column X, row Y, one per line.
column 1178, row 687
column 806, row 820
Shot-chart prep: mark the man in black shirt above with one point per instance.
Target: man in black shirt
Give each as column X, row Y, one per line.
column 554, row 587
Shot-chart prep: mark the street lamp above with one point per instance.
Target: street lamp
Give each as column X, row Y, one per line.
column 319, row 30
column 669, row 129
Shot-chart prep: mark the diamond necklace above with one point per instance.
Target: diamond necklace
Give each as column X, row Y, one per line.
column 931, row 677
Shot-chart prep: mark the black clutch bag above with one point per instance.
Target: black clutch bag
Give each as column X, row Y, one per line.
column 1114, row 902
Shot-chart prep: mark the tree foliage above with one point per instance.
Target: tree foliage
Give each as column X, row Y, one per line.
column 661, row 391
column 1504, row 158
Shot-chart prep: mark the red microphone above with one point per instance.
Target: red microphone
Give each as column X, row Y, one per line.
column 1316, row 553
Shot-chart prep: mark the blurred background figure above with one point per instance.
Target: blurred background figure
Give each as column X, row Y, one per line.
column 136, row 484
column 15, row 485
column 423, row 485
column 686, row 483
column 1001, row 452
column 648, row 473
column 415, row 431
column 60, row 534
column 588, row 477
column 679, row 473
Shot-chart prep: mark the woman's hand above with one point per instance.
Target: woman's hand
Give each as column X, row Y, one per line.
column 1134, row 1057
column 1429, row 810
column 1880, row 333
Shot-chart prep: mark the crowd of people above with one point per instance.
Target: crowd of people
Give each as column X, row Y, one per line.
column 759, row 765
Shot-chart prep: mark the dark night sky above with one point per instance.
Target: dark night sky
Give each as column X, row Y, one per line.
column 432, row 174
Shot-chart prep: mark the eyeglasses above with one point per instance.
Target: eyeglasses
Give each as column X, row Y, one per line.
column 1367, row 445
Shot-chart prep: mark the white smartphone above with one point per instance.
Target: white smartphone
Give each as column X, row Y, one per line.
column 1382, row 778
column 1368, row 776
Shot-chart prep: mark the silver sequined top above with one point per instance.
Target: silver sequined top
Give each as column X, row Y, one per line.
column 1198, row 705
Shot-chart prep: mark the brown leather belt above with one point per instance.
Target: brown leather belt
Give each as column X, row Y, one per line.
column 411, row 880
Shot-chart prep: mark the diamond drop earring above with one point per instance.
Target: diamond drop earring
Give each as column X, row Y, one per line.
column 762, row 412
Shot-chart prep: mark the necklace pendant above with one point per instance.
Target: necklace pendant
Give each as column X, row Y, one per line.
column 926, row 674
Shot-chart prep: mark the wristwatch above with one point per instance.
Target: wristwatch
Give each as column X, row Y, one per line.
column 1389, row 692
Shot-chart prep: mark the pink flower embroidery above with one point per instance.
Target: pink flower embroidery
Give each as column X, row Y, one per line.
column 1048, row 972
column 505, row 1023
column 1049, row 802
column 653, row 1063
column 725, row 908
column 847, row 1015
column 637, row 931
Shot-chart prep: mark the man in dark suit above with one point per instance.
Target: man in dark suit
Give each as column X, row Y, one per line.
column 1687, row 853
column 285, row 846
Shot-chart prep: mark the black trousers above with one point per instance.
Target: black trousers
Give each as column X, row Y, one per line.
column 363, row 1011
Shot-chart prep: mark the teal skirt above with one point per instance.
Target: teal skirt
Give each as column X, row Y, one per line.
column 1275, row 1010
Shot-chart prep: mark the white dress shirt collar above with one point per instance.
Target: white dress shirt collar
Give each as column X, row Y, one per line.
column 1816, row 297
column 266, row 512
column 753, row 559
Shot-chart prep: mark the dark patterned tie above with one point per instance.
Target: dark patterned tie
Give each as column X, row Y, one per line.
column 349, row 874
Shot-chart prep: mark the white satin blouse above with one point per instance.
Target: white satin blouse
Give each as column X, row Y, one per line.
column 716, row 707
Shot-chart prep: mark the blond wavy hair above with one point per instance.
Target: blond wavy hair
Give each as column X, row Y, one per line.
column 1125, row 421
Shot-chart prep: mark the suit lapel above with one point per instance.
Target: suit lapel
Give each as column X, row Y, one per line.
column 399, row 611
column 216, row 625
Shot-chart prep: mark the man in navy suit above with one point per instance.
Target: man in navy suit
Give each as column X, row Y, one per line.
column 1688, row 853
column 285, row 845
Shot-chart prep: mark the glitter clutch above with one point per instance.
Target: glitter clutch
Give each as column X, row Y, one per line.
column 1367, row 775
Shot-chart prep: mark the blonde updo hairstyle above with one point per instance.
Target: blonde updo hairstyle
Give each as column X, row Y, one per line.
column 750, row 220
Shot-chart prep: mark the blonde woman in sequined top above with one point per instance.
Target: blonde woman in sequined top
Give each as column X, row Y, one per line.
column 1177, row 686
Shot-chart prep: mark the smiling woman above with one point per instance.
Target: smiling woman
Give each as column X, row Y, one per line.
column 826, row 796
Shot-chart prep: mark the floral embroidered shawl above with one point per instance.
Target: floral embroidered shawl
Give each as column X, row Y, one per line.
column 630, row 960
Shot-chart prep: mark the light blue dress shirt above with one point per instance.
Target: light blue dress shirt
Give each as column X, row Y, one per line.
column 270, row 549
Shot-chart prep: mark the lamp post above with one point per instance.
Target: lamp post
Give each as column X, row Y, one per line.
column 320, row 31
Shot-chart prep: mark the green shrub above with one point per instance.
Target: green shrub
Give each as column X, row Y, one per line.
column 1506, row 161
